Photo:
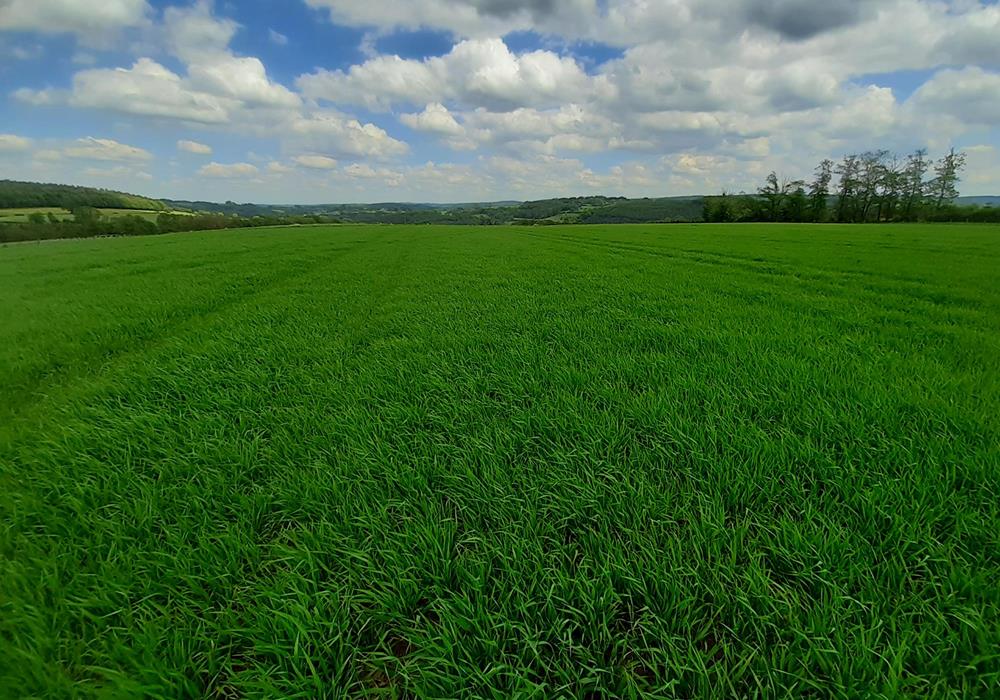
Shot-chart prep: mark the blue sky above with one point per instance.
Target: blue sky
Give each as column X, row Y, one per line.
column 473, row 100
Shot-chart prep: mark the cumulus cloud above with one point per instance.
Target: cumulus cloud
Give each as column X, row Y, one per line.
column 315, row 162
column 192, row 32
column 476, row 72
column 242, row 79
column 700, row 94
column 228, row 171
column 148, row 89
column 435, row 119
column 970, row 95
column 335, row 133
column 621, row 22
column 364, row 171
column 194, row 147
column 93, row 22
column 218, row 88
column 466, row 17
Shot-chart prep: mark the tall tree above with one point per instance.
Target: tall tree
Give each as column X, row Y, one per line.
column 776, row 194
column 889, row 188
column 914, row 175
column 847, row 170
column 944, row 186
column 870, row 177
column 796, row 204
column 771, row 192
column 819, row 190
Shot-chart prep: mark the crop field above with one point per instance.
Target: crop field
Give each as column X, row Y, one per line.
column 686, row 461
column 20, row 215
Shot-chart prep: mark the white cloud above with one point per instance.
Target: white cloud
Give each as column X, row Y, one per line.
column 363, row 171
column 970, row 95
column 192, row 32
column 11, row 143
column 194, row 147
column 969, row 24
column 435, row 119
column 217, row 84
column 243, row 79
column 230, row 170
column 93, row 22
column 218, row 88
column 315, row 162
column 335, row 133
column 148, row 89
column 91, row 148
column 477, row 72
column 705, row 94
column 466, row 17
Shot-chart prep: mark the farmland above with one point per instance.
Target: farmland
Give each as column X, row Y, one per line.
column 20, row 215
column 683, row 461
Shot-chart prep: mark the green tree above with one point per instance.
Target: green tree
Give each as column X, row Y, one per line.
column 847, row 170
column 944, row 186
column 914, row 185
column 796, row 206
column 819, row 190
column 86, row 215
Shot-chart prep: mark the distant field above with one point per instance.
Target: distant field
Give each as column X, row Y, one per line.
column 652, row 461
column 21, row 215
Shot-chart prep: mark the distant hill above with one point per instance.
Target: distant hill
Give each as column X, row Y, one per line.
column 984, row 201
column 558, row 210
column 16, row 194
column 566, row 210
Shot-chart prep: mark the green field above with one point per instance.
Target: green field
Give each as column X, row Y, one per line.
column 654, row 461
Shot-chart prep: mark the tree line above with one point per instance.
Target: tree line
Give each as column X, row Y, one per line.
column 87, row 222
column 875, row 186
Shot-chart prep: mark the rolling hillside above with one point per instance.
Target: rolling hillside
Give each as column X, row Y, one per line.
column 23, row 195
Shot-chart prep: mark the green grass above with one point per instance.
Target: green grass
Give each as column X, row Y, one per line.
column 675, row 461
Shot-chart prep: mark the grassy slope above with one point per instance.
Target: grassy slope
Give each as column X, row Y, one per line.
column 682, row 461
